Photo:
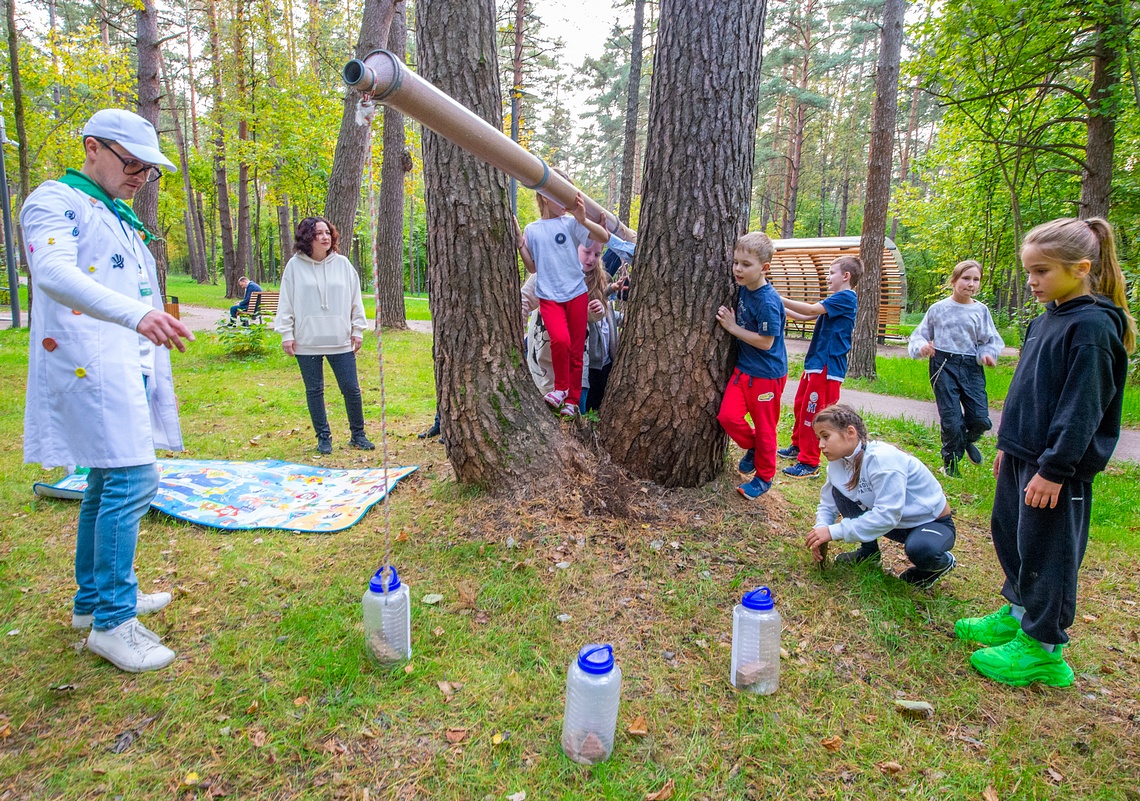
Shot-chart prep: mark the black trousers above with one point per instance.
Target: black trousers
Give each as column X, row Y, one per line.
column 927, row 546
column 959, row 384
column 1040, row 550
column 344, row 368
column 599, row 379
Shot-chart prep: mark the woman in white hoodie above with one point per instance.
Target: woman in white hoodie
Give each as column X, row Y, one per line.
column 321, row 316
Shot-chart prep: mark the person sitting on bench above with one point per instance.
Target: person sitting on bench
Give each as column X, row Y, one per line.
column 250, row 287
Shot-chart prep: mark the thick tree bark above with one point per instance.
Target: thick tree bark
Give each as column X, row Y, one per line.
column 516, row 88
column 659, row 419
column 389, row 280
column 1096, row 181
column 498, row 436
column 863, row 347
column 632, row 101
column 150, row 92
column 347, row 172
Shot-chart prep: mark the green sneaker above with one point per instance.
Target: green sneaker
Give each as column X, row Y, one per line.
column 996, row 628
column 1023, row 661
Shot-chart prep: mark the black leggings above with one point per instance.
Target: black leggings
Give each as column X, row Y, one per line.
column 344, row 368
column 960, row 391
column 927, row 546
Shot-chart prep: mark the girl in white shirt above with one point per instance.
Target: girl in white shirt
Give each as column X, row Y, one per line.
column 875, row 490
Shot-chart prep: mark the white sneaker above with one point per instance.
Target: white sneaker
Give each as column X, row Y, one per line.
column 130, row 647
column 554, row 398
column 145, row 603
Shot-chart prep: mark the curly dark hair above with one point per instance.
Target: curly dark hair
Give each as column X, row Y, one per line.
column 307, row 232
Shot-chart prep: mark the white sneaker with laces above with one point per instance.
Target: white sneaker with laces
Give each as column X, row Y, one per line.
column 130, row 647
column 145, row 603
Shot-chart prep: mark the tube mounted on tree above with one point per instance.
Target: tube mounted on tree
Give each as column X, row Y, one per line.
column 390, row 82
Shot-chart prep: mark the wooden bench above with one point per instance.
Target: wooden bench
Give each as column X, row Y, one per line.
column 264, row 305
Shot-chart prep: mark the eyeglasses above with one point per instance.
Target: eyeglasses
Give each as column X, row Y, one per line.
column 132, row 166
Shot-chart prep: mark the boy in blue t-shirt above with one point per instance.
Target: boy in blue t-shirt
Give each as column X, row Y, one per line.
column 761, row 363
column 825, row 365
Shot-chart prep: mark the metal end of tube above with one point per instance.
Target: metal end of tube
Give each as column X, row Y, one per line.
column 379, row 73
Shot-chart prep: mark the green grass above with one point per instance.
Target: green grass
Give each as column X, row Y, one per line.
column 273, row 696
column 213, row 296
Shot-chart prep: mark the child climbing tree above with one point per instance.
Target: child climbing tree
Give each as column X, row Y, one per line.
column 659, row 420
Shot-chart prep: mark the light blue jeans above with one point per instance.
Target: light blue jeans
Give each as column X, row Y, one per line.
column 113, row 506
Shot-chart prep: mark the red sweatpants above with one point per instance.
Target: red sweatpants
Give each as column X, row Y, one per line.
column 815, row 393
column 759, row 398
column 566, row 324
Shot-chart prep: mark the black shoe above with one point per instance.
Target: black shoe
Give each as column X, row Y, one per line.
column 431, row 432
column 324, row 444
column 360, row 442
column 926, row 578
column 973, row 453
column 866, row 552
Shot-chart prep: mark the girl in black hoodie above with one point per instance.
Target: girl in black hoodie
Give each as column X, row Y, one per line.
column 1060, row 425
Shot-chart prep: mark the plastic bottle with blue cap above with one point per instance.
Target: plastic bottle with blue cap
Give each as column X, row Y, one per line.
column 388, row 617
column 593, row 692
column 756, row 643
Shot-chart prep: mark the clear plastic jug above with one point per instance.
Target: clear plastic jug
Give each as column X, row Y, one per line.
column 756, row 643
column 593, row 691
column 388, row 618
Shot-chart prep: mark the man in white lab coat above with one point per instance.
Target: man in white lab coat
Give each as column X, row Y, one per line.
column 100, row 392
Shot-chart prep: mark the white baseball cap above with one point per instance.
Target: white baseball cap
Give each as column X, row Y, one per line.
column 136, row 135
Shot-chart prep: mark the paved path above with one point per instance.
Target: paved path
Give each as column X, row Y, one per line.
column 200, row 318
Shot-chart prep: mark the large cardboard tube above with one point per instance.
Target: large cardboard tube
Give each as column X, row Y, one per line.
column 390, row 82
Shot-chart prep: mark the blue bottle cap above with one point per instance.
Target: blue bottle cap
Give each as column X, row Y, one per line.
column 759, row 599
column 596, row 659
column 377, row 582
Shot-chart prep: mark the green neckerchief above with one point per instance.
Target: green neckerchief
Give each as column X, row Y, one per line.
column 77, row 180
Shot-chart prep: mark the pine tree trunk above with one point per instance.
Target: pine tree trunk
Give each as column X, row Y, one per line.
column 389, row 279
column 659, row 419
column 21, row 130
column 195, row 252
column 1096, row 180
column 244, row 242
column 632, row 101
column 149, row 90
column 221, row 185
column 863, row 347
column 347, row 172
column 498, row 436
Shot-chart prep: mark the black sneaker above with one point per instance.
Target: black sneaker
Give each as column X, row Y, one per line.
column 790, row 452
column 926, row 578
column 866, row 552
column 431, row 432
column 360, row 442
column 324, row 444
column 973, row 454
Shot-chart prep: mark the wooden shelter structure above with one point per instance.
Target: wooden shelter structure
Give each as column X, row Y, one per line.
column 799, row 272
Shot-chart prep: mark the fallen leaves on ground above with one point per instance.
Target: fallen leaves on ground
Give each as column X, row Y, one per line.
column 990, row 794
column 300, row 700
column 191, row 779
column 432, row 598
column 915, row 709
column 257, row 738
column 519, row 796
column 665, row 793
column 833, row 743
column 1054, row 776
column 891, row 768
column 456, row 735
column 500, row 737
column 639, row 727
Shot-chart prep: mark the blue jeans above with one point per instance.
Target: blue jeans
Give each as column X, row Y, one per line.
column 344, row 368
column 113, row 505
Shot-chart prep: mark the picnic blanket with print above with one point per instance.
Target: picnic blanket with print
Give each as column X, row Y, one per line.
column 262, row 494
